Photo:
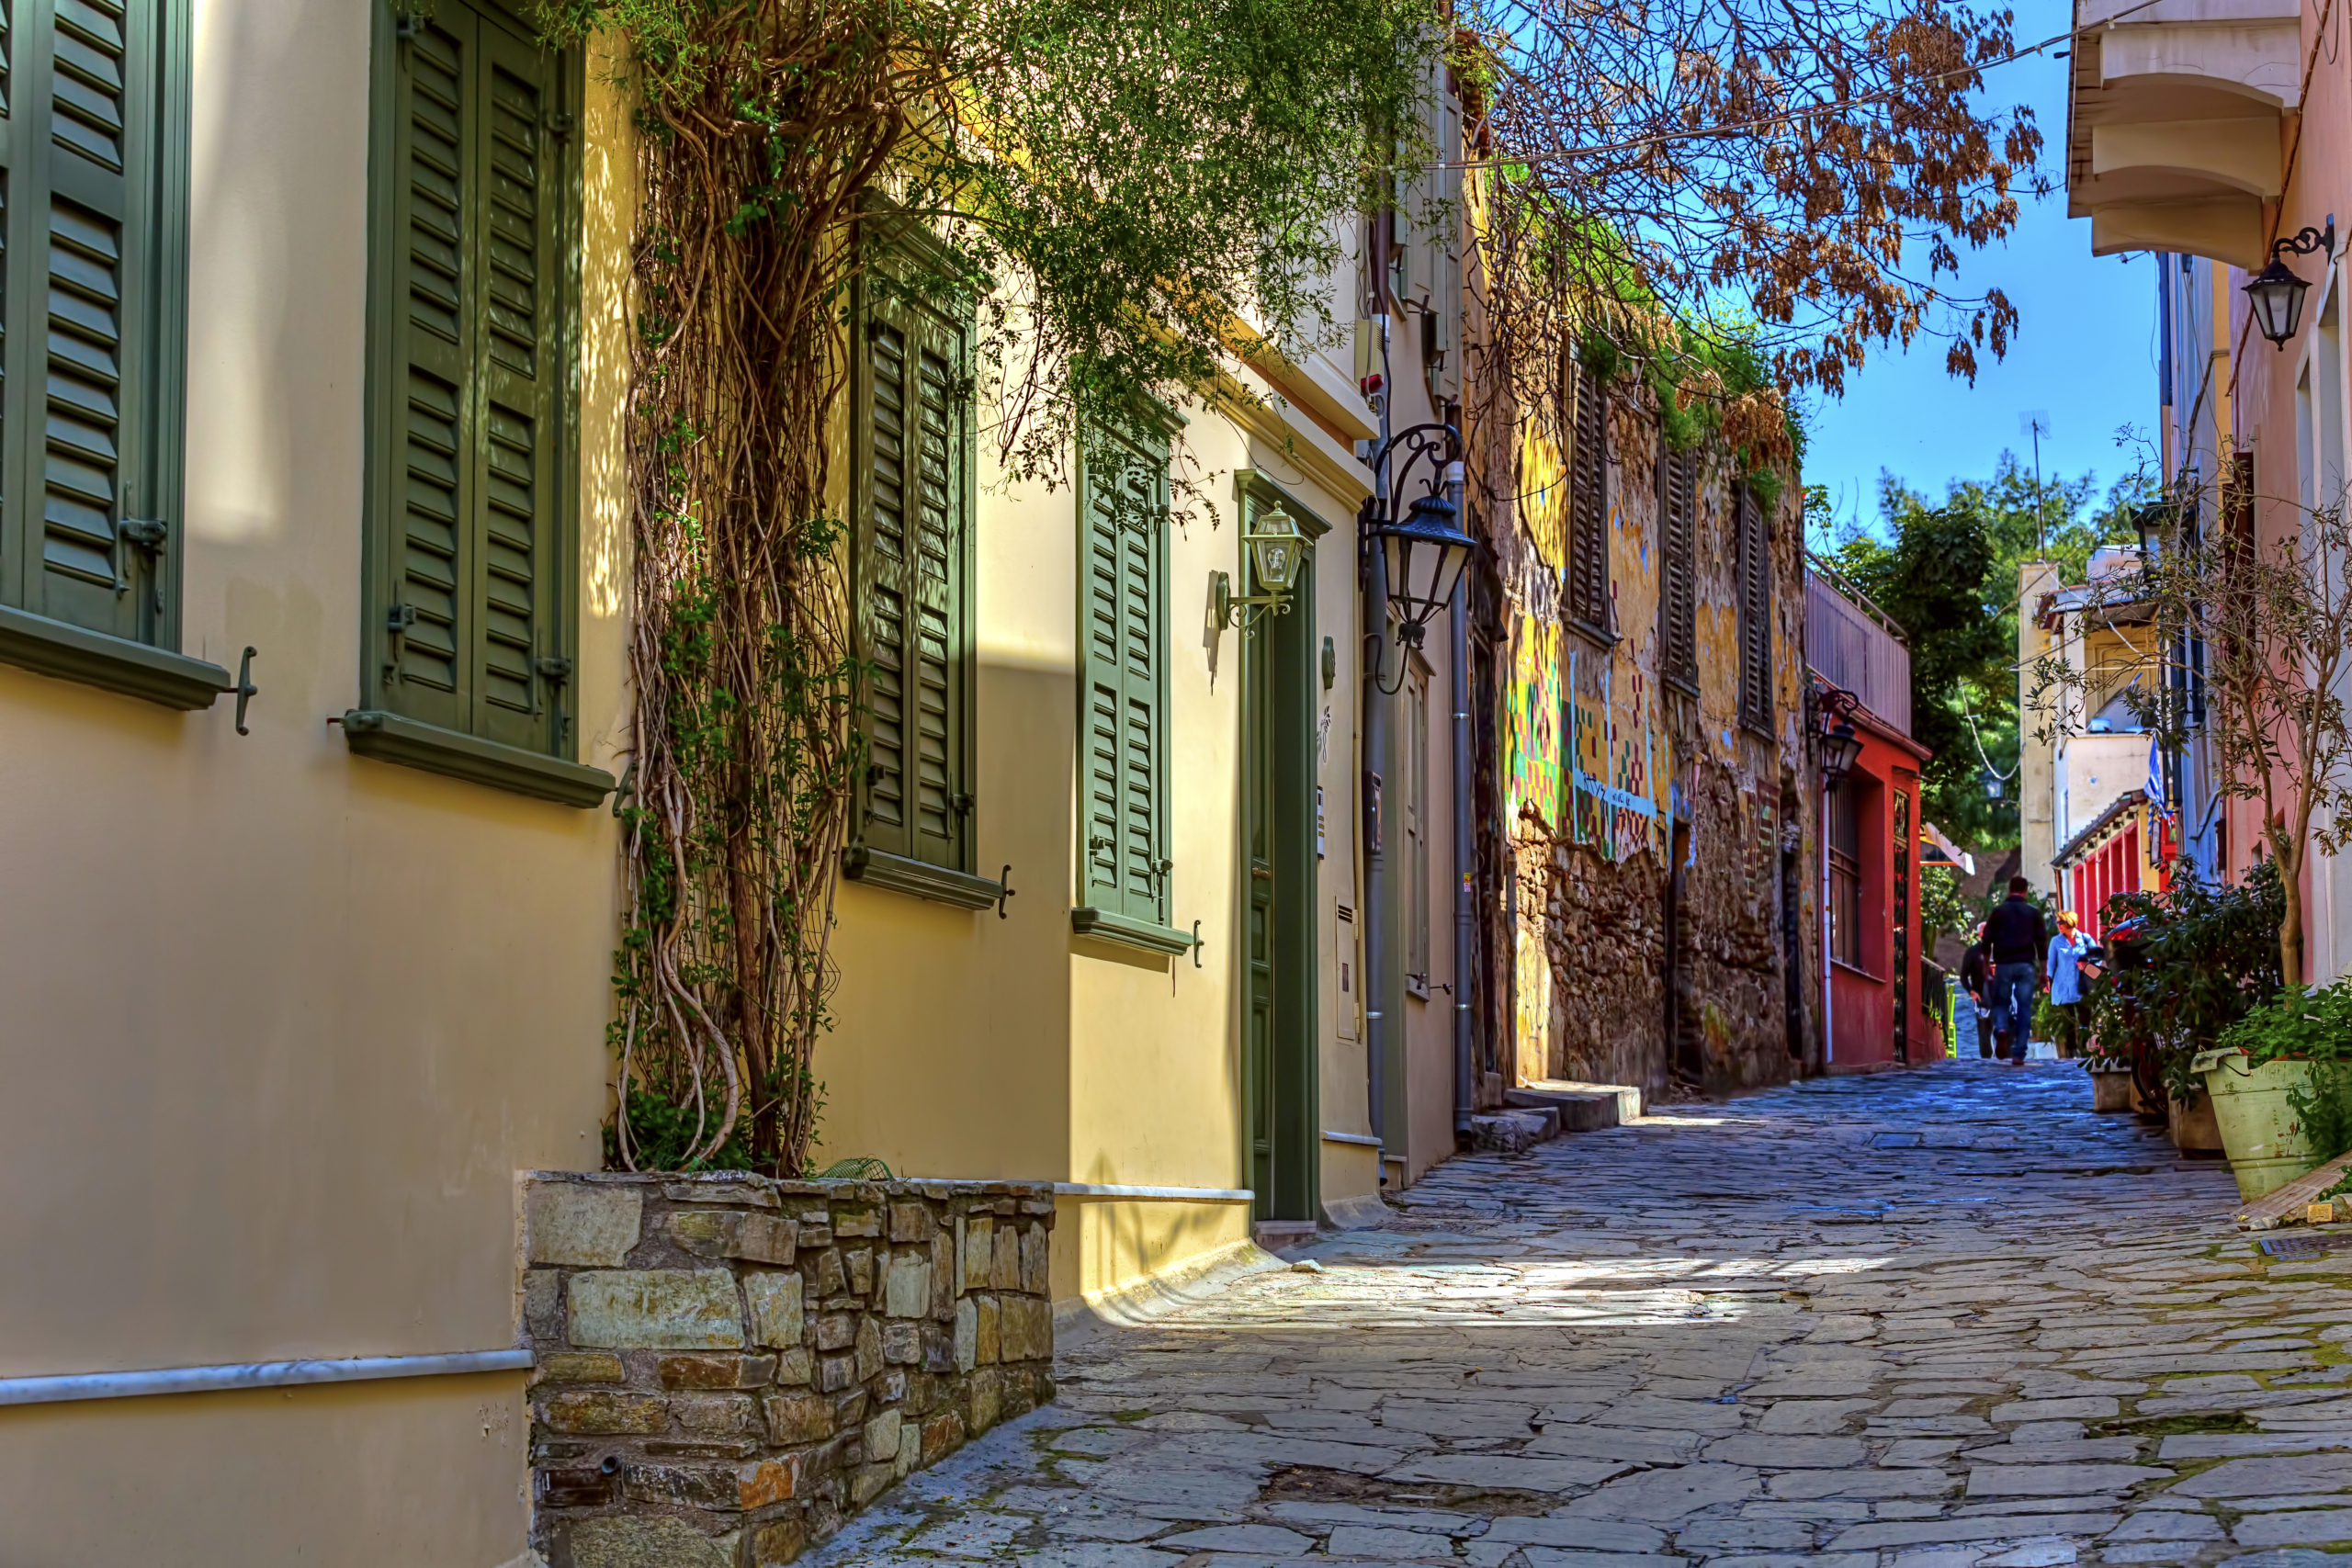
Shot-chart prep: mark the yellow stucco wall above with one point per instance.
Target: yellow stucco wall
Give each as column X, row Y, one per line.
column 281, row 1024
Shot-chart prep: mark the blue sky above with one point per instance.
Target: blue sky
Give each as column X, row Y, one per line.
column 2085, row 350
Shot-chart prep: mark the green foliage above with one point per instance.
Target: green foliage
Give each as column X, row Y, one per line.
column 2300, row 1023
column 2208, row 958
column 2323, row 1106
column 1948, row 573
column 1944, row 909
column 664, row 1135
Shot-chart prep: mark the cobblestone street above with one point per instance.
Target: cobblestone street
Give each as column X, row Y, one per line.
column 1918, row 1320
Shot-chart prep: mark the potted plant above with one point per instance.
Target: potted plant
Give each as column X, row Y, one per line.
column 2280, row 1080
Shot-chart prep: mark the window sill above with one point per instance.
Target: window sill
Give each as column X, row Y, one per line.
column 129, row 669
column 1856, row 971
column 1601, row 637
column 1688, row 686
column 918, row 879
column 410, row 743
column 1761, row 731
column 1104, row 926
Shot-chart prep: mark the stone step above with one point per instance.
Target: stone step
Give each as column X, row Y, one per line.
column 1583, row 1108
column 1513, row 1131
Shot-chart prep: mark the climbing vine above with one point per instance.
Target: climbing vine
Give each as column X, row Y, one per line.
column 1133, row 199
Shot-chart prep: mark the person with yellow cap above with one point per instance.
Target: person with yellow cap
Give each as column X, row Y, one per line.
column 2068, row 950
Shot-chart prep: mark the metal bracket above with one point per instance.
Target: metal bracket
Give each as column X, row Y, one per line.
column 245, row 689
column 626, row 791
column 1003, row 890
column 1197, row 945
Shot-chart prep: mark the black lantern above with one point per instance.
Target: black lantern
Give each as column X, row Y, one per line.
column 2276, row 293
column 1840, row 748
column 1993, row 781
column 1425, row 555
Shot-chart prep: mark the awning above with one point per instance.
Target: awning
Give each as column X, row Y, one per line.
column 1935, row 849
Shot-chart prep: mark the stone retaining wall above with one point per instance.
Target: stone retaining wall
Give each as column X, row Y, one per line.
column 728, row 1365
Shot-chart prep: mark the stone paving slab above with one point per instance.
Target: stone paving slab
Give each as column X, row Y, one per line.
column 1947, row 1318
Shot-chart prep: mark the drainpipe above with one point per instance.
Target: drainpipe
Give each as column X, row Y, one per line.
column 1375, row 728
column 1465, row 1095
column 1829, row 1022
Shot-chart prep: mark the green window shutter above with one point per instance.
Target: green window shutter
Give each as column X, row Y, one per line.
column 1124, row 505
column 90, row 150
column 914, row 570
column 472, row 515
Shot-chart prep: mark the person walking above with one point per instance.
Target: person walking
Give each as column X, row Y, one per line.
column 1977, row 979
column 2064, row 975
column 2020, row 941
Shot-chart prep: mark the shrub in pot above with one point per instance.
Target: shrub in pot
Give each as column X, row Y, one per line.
column 2281, row 1082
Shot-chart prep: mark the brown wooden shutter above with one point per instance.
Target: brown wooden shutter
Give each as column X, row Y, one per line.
column 1754, row 585
column 1588, row 504
column 1678, row 576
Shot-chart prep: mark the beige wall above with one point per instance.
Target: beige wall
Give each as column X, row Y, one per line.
column 282, row 1023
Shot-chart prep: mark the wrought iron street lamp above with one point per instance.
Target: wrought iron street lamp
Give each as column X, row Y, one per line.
column 1277, row 552
column 1840, row 748
column 2277, row 292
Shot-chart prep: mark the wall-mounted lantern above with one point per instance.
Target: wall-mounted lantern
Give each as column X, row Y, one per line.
column 1425, row 555
column 2276, row 293
column 1277, row 552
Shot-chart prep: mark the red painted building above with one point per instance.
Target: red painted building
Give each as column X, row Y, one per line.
column 1878, row 1011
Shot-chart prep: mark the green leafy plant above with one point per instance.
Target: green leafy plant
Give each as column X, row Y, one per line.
column 2299, row 1023
column 1131, row 201
column 2205, row 957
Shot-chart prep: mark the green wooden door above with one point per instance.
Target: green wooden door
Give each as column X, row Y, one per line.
column 1278, row 1082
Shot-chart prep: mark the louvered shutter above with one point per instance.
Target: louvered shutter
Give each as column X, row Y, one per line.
column 89, row 427
column 473, row 557
column 1678, row 590
column 1125, row 508
column 1754, row 565
column 1589, row 505
column 912, row 584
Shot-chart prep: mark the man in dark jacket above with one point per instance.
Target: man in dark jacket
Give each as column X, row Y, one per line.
column 1977, row 979
column 2014, row 932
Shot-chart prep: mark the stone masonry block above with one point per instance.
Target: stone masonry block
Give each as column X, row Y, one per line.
column 911, row 1222
column 986, row 1341
column 581, row 1224
column 836, row 1372
column 706, row 1233
column 717, row 1415
column 628, row 1540
column 741, row 1194
column 778, row 1543
column 775, row 1299
column 767, row 1239
column 909, row 1291
column 910, row 1449
column 882, row 1437
column 939, row 1347
column 795, row 1419
column 795, row 1366
column 890, row 1388
column 1026, row 1333
column 657, row 1309
column 903, row 1343
column 979, row 1245
column 831, row 1279
column 942, row 1276
column 768, row 1481
column 543, row 1303
column 577, row 1366
column 860, row 1262
column 836, row 1331
column 984, row 1399
column 1034, row 1259
column 941, row 1436
column 869, row 1348
column 869, row 1483
column 603, row 1411
column 1004, row 1266
column 714, row 1370
column 967, row 1334
column 681, row 1485
column 856, row 1222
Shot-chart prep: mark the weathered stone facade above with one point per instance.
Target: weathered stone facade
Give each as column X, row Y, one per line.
column 1655, row 767
column 727, row 1365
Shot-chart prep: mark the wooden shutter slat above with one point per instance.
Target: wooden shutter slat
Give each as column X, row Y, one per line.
column 89, row 305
